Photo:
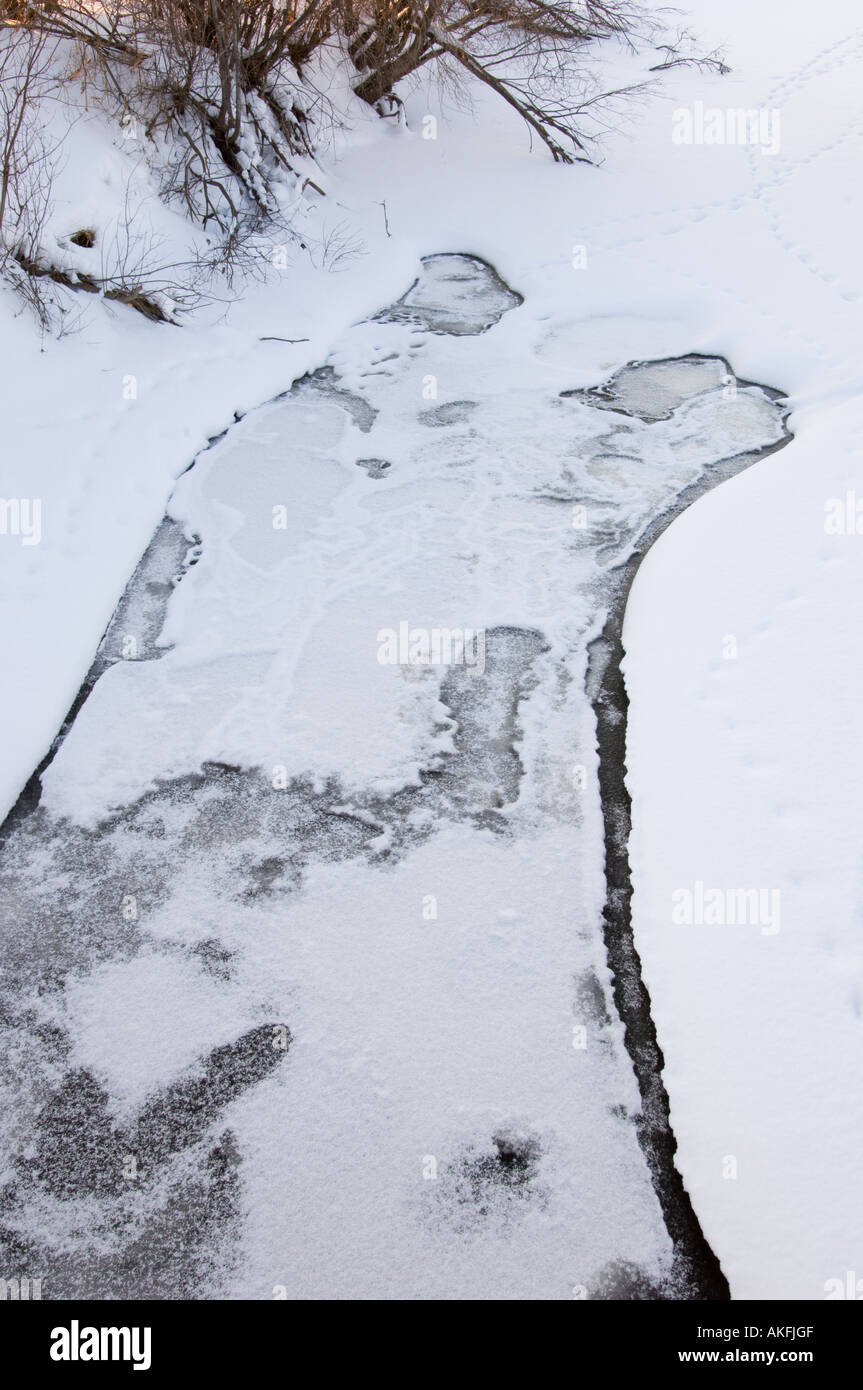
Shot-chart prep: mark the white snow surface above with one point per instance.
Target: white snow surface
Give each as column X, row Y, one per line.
column 743, row 770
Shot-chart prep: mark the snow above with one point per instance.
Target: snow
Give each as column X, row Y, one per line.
column 743, row 775
column 418, row 1038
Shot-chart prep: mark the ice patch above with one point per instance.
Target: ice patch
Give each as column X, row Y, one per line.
column 453, row 294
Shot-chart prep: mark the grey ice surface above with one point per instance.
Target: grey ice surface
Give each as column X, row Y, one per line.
column 653, row 390
column 454, row 294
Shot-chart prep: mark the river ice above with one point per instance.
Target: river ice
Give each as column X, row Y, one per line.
column 303, row 968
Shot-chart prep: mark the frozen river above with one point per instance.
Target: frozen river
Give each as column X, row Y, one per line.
column 306, row 945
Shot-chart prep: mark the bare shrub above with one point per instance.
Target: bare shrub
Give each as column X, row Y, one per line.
column 218, row 78
column 228, row 77
column 28, row 160
column 531, row 53
column 224, row 92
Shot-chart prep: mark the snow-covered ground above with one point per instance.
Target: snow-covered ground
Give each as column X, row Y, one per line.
column 444, row 1044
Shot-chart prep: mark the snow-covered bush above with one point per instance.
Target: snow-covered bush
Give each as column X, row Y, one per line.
column 233, row 97
column 27, row 160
